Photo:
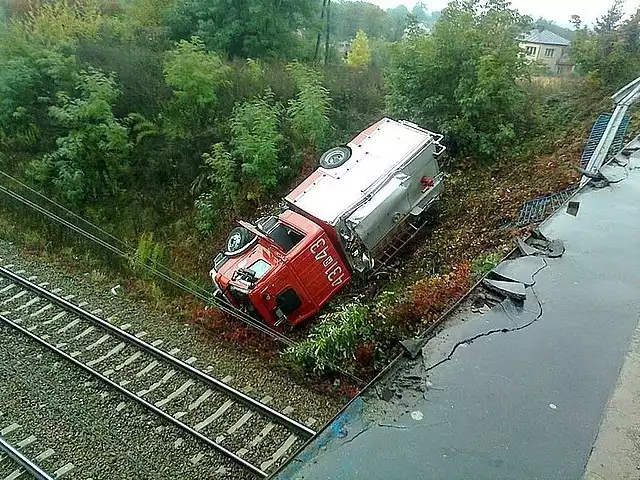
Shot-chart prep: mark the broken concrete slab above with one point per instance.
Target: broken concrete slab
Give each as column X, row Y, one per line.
column 572, row 208
column 521, row 270
column 509, row 289
column 541, row 247
column 522, row 313
column 527, row 249
column 555, row 249
column 413, row 346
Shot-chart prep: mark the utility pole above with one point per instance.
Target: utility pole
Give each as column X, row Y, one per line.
column 315, row 56
column 326, row 40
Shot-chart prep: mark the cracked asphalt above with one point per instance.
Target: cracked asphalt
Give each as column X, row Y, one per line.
column 517, row 389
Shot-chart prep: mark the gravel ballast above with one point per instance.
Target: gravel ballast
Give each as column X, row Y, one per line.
column 119, row 442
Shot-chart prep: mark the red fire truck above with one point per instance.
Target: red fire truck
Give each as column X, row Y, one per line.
column 361, row 206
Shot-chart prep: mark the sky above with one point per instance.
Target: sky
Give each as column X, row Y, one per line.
column 557, row 10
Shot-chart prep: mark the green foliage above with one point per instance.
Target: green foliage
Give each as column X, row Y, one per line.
column 196, row 78
column 218, row 186
column 309, row 110
column 141, row 128
column 465, row 79
column 92, row 158
column 138, row 66
column 61, row 23
column 357, row 100
column 483, row 264
column 147, row 13
column 399, row 21
column 349, row 17
column 611, row 53
column 148, row 252
column 333, row 341
column 257, row 140
column 194, row 73
column 30, row 76
column 359, row 55
column 243, row 28
column 255, row 71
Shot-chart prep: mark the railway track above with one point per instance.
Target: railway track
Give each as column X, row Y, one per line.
column 22, row 456
column 245, row 432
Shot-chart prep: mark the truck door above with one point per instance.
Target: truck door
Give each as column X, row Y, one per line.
column 320, row 270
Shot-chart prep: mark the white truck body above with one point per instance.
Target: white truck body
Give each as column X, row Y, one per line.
column 392, row 176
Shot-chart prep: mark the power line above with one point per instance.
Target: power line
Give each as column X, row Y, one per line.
column 156, row 269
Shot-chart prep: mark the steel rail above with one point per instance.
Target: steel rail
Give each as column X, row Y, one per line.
column 149, row 406
column 249, row 402
column 25, row 463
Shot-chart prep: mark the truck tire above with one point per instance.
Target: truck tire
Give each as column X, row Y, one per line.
column 334, row 157
column 239, row 238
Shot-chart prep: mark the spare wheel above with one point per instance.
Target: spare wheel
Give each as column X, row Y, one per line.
column 239, row 238
column 335, row 157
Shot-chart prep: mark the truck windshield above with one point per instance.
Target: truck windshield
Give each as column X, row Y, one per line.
column 260, row 267
column 283, row 235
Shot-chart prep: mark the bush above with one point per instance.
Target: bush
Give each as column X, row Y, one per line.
column 196, row 77
column 92, row 159
column 427, row 299
column 256, row 140
column 218, row 186
column 308, row 112
column 341, row 338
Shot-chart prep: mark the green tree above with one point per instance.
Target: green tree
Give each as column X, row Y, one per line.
column 465, row 79
column 308, row 111
column 91, row 160
column 610, row 54
column 30, row 76
column 217, row 187
column 348, row 17
column 243, row 28
column 196, row 78
column 61, row 23
column 256, row 140
column 359, row 55
column 421, row 12
column 399, row 20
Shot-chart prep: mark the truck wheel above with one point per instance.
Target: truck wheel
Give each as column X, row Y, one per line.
column 239, row 238
column 335, row 157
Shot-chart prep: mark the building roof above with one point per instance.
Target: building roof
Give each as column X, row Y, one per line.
column 546, row 37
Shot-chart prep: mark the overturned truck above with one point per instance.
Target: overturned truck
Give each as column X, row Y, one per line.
column 354, row 213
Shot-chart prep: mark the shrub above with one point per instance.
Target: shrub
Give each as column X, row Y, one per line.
column 337, row 340
column 257, row 141
column 196, row 77
column 218, row 186
column 147, row 253
column 483, row 264
column 427, row 299
column 309, row 110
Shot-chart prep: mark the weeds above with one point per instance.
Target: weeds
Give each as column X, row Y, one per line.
column 427, row 299
column 483, row 264
column 147, row 253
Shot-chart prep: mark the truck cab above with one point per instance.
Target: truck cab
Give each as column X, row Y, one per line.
column 283, row 268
